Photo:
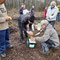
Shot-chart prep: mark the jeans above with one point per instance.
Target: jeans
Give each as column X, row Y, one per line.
column 52, row 23
column 4, row 40
column 22, row 27
column 47, row 45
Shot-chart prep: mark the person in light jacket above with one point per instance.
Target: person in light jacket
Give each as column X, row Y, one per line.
column 50, row 38
column 4, row 30
column 52, row 13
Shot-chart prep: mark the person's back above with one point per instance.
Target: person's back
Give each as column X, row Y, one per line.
column 24, row 19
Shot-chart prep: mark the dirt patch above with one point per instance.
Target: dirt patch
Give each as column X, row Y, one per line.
column 21, row 52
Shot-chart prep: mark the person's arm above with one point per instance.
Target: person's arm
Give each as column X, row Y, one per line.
column 47, row 15
column 47, row 12
column 45, row 37
column 54, row 14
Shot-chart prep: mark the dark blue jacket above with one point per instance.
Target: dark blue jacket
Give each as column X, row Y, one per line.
column 21, row 11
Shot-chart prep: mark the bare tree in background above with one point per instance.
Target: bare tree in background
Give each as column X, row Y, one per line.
column 39, row 4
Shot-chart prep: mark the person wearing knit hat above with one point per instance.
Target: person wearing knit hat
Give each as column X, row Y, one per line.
column 50, row 38
column 4, row 29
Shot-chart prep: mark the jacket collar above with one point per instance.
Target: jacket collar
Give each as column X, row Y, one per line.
column 53, row 8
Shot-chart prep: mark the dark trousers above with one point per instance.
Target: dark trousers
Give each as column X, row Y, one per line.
column 50, row 43
column 32, row 20
column 52, row 23
column 22, row 27
column 4, row 40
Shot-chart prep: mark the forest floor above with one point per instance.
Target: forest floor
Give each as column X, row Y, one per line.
column 21, row 52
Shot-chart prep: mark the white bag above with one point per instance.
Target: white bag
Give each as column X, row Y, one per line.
column 33, row 29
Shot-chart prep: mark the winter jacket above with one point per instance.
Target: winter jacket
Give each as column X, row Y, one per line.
column 52, row 13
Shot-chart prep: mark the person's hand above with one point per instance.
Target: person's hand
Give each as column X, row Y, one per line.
column 30, row 22
column 32, row 38
column 8, row 18
column 47, row 17
column 33, row 24
column 40, row 30
column 52, row 14
column 30, row 32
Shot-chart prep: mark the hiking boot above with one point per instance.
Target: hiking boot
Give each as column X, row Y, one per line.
column 22, row 41
column 42, row 52
column 3, row 55
column 11, row 46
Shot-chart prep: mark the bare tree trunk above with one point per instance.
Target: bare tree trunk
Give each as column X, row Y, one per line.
column 39, row 4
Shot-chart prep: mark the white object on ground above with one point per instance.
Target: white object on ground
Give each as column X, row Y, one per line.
column 31, row 46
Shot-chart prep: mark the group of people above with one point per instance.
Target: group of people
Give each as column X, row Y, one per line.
column 48, row 41
column 50, row 38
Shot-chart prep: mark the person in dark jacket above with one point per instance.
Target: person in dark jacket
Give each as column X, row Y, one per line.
column 32, row 17
column 23, row 20
column 21, row 9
